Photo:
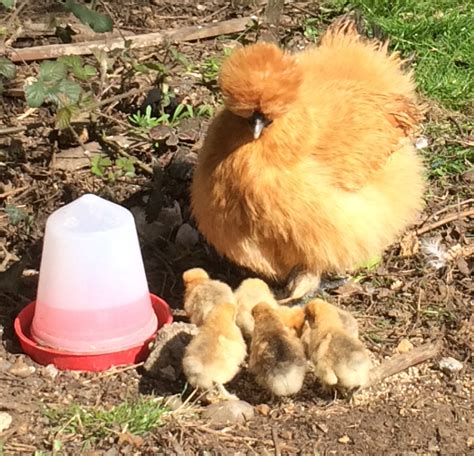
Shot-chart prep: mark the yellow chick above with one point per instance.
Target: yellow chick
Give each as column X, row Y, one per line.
column 248, row 295
column 201, row 293
column 331, row 338
column 214, row 355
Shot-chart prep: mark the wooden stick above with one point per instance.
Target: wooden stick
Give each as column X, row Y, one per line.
column 196, row 32
column 399, row 363
column 11, row 130
column 444, row 221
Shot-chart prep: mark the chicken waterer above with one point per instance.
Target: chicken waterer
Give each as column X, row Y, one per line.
column 93, row 309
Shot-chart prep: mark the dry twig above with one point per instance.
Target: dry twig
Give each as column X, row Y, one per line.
column 401, row 362
column 445, row 220
column 196, row 32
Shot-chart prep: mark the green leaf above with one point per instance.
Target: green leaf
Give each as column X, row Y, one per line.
column 52, row 71
column 15, row 214
column 71, row 61
column 36, row 94
column 7, row 68
column 98, row 22
column 99, row 165
column 75, row 64
column 126, row 165
column 84, row 72
column 57, row 445
column 63, row 117
column 71, row 89
column 7, row 3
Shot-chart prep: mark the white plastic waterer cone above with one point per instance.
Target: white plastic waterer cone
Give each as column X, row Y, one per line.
column 93, row 295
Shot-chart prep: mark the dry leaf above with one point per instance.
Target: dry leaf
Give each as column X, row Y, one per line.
column 128, row 438
column 409, row 245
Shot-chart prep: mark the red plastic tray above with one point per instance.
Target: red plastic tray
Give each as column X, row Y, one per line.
column 92, row 363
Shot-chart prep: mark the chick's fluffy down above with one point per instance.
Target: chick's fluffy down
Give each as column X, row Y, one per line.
column 249, row 293
column 277, row 356
column 201, row 293
column 215, row 354
column 339, row 357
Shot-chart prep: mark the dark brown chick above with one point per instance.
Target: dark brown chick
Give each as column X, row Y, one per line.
column 277, row 356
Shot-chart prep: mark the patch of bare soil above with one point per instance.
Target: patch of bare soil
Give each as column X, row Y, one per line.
column 421, row 411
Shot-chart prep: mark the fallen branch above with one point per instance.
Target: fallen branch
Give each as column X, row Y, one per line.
column 13, row 192
column 11, row 130
column 197, row 32
column 444, row 221
column 399, row 363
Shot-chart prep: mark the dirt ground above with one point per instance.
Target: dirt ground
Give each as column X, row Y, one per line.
column 421, row 411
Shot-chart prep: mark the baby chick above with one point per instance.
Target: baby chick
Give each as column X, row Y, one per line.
column 202, row 293
column 248, row 295
column 277, row 356
column 215, row 354
column 332, row 344
column 292, row 317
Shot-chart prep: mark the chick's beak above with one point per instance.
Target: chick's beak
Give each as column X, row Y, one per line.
column 258, row 122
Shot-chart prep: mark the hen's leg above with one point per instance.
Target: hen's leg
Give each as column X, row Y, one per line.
column 302, row 284
column 305, row 285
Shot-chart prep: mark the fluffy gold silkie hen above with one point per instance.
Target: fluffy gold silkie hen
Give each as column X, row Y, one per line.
column 310, row 166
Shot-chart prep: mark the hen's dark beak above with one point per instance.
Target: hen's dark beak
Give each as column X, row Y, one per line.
column 258, row 122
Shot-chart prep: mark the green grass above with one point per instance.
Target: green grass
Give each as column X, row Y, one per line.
column 440, row 33
column 447, row 154
column 136, row 418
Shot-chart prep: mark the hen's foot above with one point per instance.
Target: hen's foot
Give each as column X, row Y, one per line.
column 304, row 286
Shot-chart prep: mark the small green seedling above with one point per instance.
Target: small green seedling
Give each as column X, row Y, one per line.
column 210, row 67
column 100, row 165
column 310, row 29
column 107, row 169
column 145, row 122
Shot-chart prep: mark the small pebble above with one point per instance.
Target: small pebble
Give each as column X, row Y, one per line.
column 344, row 439
column 187, row 236
column 421, row 143
column 404, row 346
column 229, row 412
column 450, row 365
column 263, row 409
column 5, row 421
column 50, row 371
column 21, row 369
